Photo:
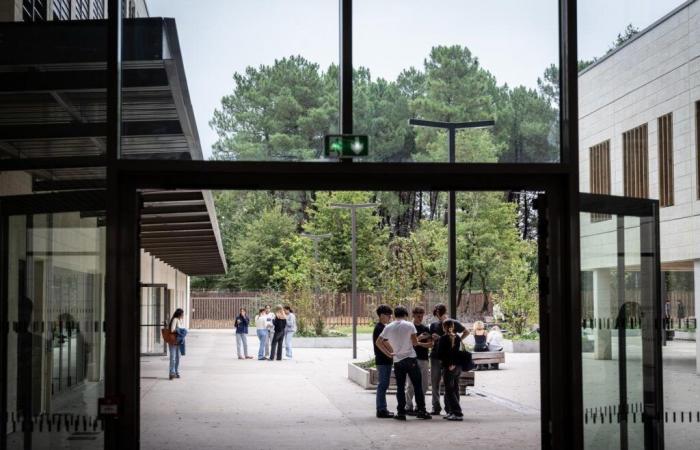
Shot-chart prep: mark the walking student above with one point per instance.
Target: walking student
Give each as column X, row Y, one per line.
column 425, row 342
column 174, row 324
column 400, row 335
column 289, row 330
column 261, row 331
column 241, row 324
column 383, row 363
column 448, row 352
column 436, row 330
column 279, row 324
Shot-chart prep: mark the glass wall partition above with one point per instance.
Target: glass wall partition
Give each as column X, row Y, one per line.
column 258, row 82
column 54, row 293
column 457, row 61
column 638, row 96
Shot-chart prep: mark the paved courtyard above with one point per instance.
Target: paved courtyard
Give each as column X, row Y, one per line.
column 225, row 403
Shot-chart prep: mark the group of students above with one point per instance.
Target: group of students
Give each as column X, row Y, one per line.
column 413, row 349
column 274, row 328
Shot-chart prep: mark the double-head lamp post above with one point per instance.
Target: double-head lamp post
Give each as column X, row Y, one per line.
column 452, row 128
column 353, row 207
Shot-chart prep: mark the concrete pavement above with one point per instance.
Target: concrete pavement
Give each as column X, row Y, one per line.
column 225, row 403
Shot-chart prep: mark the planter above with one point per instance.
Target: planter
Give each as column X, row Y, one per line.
column 685, row 335
column 529, row 346
column 360, row 376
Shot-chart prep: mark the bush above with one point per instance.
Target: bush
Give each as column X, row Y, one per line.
column 370, row 363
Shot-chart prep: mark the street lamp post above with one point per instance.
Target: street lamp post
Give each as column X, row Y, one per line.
column 353, row 207
column 451, row 128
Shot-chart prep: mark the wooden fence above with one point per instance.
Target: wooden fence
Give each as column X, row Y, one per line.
column 216, row 309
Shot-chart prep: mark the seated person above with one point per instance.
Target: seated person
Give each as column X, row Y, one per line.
column 480, row 335
column 494, row 339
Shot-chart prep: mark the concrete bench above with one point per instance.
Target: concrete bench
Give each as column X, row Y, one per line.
column 489, row 358
column 465, row 379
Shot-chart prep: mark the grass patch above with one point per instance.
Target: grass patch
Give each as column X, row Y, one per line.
column 347, row 330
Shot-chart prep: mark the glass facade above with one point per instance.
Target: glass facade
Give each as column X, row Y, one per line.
column 56, row 344
column 638, row 87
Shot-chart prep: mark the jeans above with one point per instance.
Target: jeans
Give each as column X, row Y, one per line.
column 435, row 377
column 277, row 340
column 174, row 359
column 451, row 378
column 384, row 372
column 402, row 369
column 267, row 343
column 262, row 336
column 241, row 341
column 288, row 335
column 425, row 382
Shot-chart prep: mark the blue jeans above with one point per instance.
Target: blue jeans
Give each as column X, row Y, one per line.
column 174, row 359
column 288, row 335
column 241, row 341
column 262, row 336
column 384, row 372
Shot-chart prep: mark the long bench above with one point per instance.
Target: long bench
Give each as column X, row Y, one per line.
column 489, row 358
column 465, row 379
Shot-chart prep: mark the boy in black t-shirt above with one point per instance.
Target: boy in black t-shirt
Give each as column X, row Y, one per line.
column 383, row 363
column 425, row 342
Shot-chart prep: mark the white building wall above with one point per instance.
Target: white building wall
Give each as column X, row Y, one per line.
column 654, row 74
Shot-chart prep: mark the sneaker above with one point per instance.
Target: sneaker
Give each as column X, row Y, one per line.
column 410, row 412
column 435, row 412
column 171, row 376
column 240, row 357
column 261, row 359
column 400, row 416
column 177, row 375
column 447, row 417
column 454, row 418
column 248, row 357
column 384, row 414
column 423, row 415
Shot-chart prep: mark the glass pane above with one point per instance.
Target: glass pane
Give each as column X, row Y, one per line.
column 258, row 82
column 617, row 332
column 153, row 315
column 638, row 129
column 55, row 348
column 457, row 61
column 52, row 67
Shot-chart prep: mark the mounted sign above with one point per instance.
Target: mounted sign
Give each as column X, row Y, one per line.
column 346, row 145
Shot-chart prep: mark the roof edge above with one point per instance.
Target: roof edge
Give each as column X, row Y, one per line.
column 655, row 24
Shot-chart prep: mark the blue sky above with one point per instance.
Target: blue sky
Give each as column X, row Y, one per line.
column 514, row 39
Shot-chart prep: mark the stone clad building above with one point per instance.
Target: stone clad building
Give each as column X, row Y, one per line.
column 639, row 131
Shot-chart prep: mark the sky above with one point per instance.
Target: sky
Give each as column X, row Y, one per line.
column 514, row 39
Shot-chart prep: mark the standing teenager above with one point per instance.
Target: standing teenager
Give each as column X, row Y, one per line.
column 449, row 356
column 241, row 324
column 383, row 363
column 261, row 331
column 425, row 342
column 400, row 335
column 436, row 330
column 289, row 330
column 268, row 325
column 174, row 324
column 279, row 324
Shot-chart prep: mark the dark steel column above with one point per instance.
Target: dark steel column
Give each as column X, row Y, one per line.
column 345, row 67
column 452, row 234
column 118, row 432
column 621, row 325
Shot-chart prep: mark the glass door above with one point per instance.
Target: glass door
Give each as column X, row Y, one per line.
column 620, row 323
column 154, row 309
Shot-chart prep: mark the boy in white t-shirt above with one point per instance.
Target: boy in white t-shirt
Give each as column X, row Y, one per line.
column 397, row 341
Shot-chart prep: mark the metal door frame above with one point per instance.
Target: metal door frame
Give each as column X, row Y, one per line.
column 166, row 308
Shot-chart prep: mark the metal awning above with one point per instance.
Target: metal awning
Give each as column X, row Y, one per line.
column 53, row 105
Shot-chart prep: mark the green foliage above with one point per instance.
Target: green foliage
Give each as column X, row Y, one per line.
column 518, row 296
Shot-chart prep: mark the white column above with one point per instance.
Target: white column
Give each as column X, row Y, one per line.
column 696, row 279
column 603, row 310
